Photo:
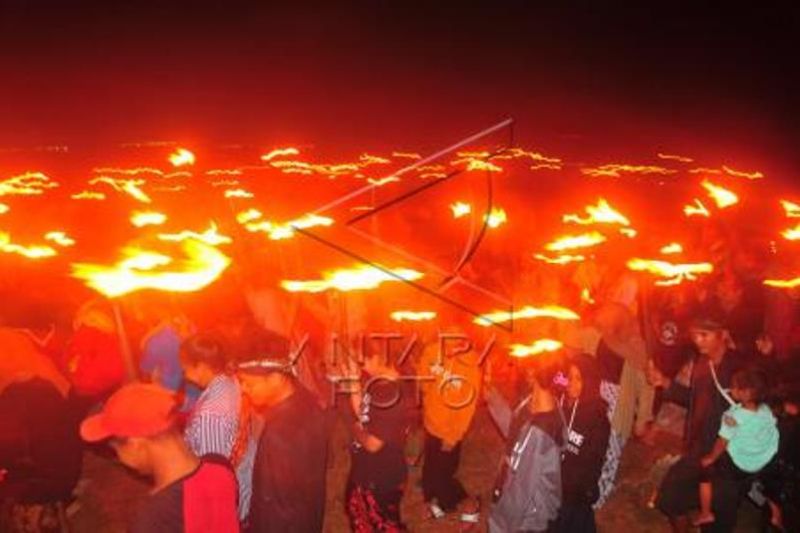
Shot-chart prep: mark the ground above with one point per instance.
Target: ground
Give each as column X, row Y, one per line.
column 109, row 494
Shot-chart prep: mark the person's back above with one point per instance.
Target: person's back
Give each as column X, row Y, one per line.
column 290, row 467
column 753, row 439
column 192, row 504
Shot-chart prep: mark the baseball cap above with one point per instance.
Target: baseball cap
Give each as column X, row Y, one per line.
column 135, row 410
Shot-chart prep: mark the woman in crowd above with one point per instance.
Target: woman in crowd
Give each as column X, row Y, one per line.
column 588, row 430
column 220, row 422
column 528, row 490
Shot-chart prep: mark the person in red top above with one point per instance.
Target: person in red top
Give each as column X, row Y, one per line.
column 190, row 494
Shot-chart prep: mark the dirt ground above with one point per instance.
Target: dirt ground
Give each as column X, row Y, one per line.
column 109, row 494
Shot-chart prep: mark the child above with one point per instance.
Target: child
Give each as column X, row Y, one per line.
column 749, row 434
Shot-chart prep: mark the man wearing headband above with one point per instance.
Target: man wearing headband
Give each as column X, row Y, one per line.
column 705, row 400
column 290, row 465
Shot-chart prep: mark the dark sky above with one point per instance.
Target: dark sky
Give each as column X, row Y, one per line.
column 401, row 74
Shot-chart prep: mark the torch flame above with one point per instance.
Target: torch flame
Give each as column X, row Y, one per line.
column 791, row 208
column 248, row 216
column 88, row 195
column 561, row 259
column 675, row 272
column 721, row 196
column 569, row 242
column 696, row 209
column 131, row 187
column 280, row 152
column 749, row 175
column 549, row 311
column 27, row 184
column 672, row 248
column 147, row 218
column 203, row 265
column 792, row 234
column 31, row 252
column 538, row 347
column 210, row 236
column 287, row 230
column 4, row 209
column 602, row 213
column 362, row 277
column 60, row 238
column 783, row 283
column 238, row 193
column 460, row 209
column 496, row 217
column 413, row 316
column 181, row 157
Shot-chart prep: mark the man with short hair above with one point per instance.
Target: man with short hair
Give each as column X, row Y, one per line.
column 190, row 494
column 291, row 461
column 711, row 374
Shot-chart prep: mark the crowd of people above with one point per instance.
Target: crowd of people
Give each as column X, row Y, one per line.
column 231, row 421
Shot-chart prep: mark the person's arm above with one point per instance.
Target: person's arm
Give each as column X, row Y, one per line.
column 719, row 448
column 673, row 391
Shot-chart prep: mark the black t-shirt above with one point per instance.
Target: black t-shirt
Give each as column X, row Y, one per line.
column 204, row 500
column 384, row 414
column 585, row 451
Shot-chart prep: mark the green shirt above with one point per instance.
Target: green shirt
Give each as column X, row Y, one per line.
column 753, row 440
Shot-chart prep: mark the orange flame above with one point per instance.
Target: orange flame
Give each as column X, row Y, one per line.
column 538, row 347
column 88, row 195
column 4, row 209
column 60, row 238
column 367, row 159
column 147, row 218
column 791, row 208
column 224, row 172
column 280, row 152
column 528, row 312
column 792, row 234
column 721, row 196
column 211, row 236
column 548, row 166
column 287, row 230
column 783, row 283
column 674, row 272
column 181, row 157
column 362, row 277
column 496, row 217
column 680, row 158
column 130, row 187
column 477, row 164
column 672, row 248
column 238, row 193
column 406, row 155
column 570, row 242
column 602, row 213
column 586, row 296
column 27, row 184
column 379, row 182
column 460, row 209
column 413, row 316
column 248, row 216
column 616, row 170
column 739, row 174
column 561, row 259
column 696, row 209
column 31, row 252
column 628, row 232
column 203, row 265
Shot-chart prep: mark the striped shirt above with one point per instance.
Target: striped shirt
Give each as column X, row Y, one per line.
column 212, row 428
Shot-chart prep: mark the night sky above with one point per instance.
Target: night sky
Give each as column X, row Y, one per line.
column 403, row 74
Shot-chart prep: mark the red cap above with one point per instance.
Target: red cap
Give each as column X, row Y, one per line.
column 135, row 410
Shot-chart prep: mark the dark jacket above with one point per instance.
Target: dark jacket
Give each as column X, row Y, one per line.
column 290, row 468
column 585, row 452
column 704, row 402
